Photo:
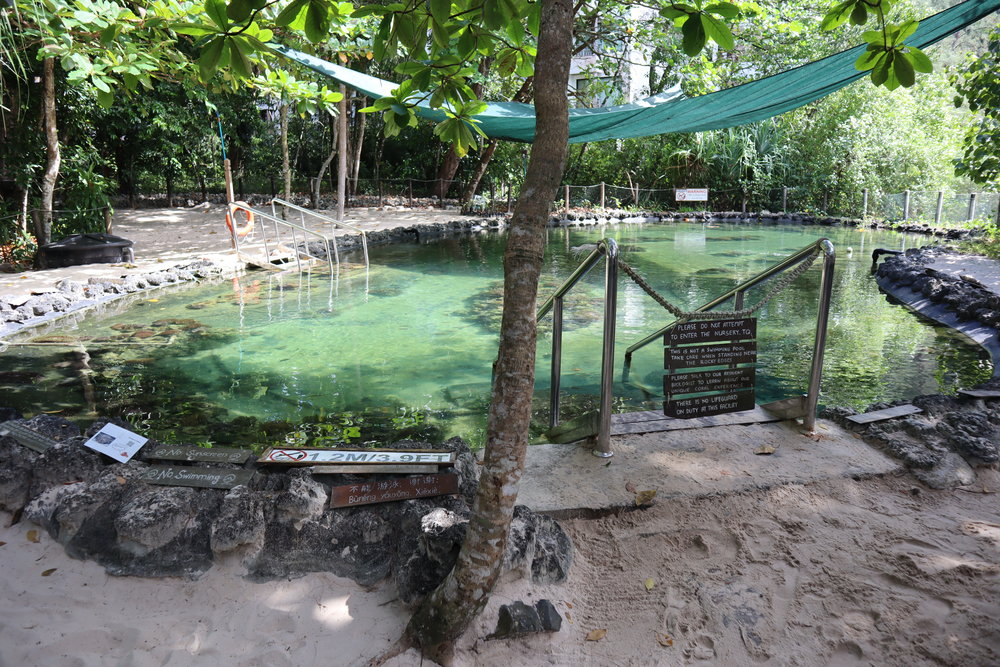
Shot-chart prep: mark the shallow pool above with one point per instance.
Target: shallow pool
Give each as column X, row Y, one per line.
column 408, row 345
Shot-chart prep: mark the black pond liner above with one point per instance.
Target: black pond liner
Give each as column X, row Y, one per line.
column 86, row 249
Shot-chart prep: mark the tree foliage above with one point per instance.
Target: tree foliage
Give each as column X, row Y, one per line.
column 977, row 82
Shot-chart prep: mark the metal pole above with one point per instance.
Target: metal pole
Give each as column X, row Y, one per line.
column 864, row 204
column 784, row 199
column 972, row 207
column 906, row 204
column 567, row 199
column 939, row 209
column 608, row 351
column 107, row 219
column 602, row 194
column 819, row 346
column 556, row 370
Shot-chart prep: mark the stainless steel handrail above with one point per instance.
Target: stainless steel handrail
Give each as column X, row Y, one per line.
column 263, row 215
column 819, row 344
column 305, row 211
column 609, row 249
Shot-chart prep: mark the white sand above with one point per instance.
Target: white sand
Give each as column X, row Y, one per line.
column 839, row 572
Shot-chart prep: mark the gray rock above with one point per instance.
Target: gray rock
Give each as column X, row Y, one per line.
column 240, row 522
column 304, row 500
column 67, row 462
column 16, row 470
column 517, row 619
column 549, row 616
column 952, row 471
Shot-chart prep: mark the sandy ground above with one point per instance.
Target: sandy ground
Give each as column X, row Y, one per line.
column 840, row 572
column 873, row 570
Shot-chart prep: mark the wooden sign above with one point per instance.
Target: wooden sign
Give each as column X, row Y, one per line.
column 707, row 331
column 203, row 478
column 723, row 379
column 372, row 469
column 203, row 454
column 697, row 356
column 25, row 436
column 311, row 456
column 388, row 490
column 887, row 413
column 706, row 406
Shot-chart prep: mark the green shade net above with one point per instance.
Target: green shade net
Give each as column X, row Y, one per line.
column 671, row 112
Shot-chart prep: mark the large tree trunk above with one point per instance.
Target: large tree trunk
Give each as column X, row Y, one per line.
column 52, row 155
column 359, row 138
column 447, row 612
column 286, row 169
column 446, row 174
column 477, row 175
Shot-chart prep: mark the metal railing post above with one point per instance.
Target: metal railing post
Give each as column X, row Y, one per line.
column 864, row 203
column 608, row 351
column 940, row 208
column 819, row 345
column 906, row 205
column 972, row 207
column 556, row 370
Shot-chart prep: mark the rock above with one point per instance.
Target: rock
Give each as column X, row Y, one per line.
column 549, row 616
column 517, row 619
column 538, row 546
column 16, row 470
column 240, row 522
column 952, row 471
column 304, row 500
column 65, row 463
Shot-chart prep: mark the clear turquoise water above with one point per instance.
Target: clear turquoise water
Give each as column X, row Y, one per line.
column 412, row 341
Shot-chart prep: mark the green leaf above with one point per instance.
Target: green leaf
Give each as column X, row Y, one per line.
column 239, row 58
column 317, row 21
column 194, row 29
column 210, row 57
column 717, row 31
column 837, row 15
column 105, row 99
column 290, row 12
column 919, row 60
column 238, row 10
column 903, row 70
column 467, row 43
column 440, row 10
column 868, row 60
column 906, row 29
column 725, row 9
column 216, row 10
column 880, row 73
column 440, row 34
column 694, row 37
column 492, row 14
column 859, row 15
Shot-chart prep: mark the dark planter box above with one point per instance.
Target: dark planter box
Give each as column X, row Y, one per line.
column 85, row 249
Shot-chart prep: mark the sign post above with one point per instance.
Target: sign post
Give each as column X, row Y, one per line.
column 710, row 367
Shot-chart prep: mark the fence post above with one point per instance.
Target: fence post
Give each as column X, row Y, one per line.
column 997, row 223
column 743, row 205
column 940, row 208
column 864, row 203
column 509, row 207
column 906, row 204
column 826, row 201
column 493, row 195
column 380, row 192
column 602, row 194
column 409, row 192
column 107, row 219
column 567, row 199
column 972, row 206
column 784, row 199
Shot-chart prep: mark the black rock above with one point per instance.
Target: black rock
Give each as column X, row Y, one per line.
column 549, row 616
column 517, row 619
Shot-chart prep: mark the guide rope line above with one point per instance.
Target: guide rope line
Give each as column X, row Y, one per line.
column 683, row 315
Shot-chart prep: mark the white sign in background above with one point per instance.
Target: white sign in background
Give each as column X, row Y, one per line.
column 691, row 194
column 116, row 442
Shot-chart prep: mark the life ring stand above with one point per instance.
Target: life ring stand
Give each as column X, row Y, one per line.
column 242, row 230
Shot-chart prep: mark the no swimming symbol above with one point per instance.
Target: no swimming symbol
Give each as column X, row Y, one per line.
column 286, row 455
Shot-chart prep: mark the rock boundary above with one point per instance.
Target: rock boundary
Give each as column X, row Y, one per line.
column 279, row 525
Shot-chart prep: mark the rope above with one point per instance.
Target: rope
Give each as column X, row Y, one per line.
column 683, row 315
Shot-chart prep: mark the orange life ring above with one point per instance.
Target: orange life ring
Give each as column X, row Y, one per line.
column 243, row 230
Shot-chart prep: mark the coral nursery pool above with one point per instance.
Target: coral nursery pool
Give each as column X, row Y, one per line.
column 407, row 347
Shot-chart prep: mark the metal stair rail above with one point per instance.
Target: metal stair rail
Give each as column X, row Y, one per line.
column 800, row 406
column 326, row 220
column 606, row 248
column 244, row 241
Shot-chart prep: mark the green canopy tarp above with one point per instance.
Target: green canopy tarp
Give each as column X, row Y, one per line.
column 671, row 112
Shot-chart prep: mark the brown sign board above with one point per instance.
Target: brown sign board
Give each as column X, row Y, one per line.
column 706, row 406
column 723, row 379
column 204, row 478
column 372, row 469
column 203, row 454
column 720, row 354
column 318, row 455
column 708, row 331
column 388, row 490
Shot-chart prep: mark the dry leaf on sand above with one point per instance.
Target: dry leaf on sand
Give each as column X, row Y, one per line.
column 49, row 571
column 597, row 635
column 649, row 583
column 645, row 497
column 664, row 640
column 32, row 536
column 765, row 449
